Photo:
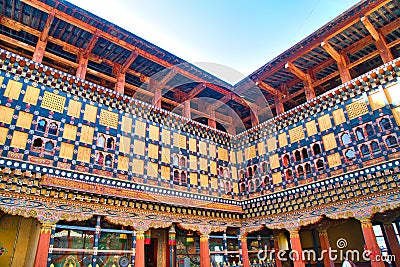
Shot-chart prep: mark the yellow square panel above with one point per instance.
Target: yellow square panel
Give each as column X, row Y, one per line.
column 235, row 188
column 250, row 152
column 338, row 116
column 152, row 151
column 140, row 128
column 261, row 148
column 202, row 148
column 334, row 160
column 24, row 120
column 123, row 163
column 296, row 134
column 329, row 141
column 212, row 150
column 392, row 93
column 19, row 139
column 126, row 124
column 180, row 140
column 3, row 135
column 90, row 113
column 276, row 178
column 166, row 136
column 87, row 133
column 125, row 144
column 192, row 145
column 311, row 128
column 70, row 131
column 154, row 132
column 377, row 100
column 109, row 118
column 203, row 164
column 203, row 180
column 324, row 122
column 84, row 154
column 271, row 143
column 234, row 172
column 165, row 155
column 53, row 102
column 1, row 80
column 193, row 162
column 356, row 109
column 6, row 114
column 194, row 178
column 232, row 157
column 74, row 108
column 213, row 167
column 31, row 95
column 274, row 161
column 214, row 182
column 222, row 154
column 282, row 140
column 66, row 150
column 152, row 169
column 137, row 166
column 13, row 89
column 396, row 114
column 165, row 172
column 138, row 147
column 239, row 156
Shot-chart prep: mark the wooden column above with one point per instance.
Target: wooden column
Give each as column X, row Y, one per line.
column 306, row 78
column 326, row 247
column 120, row 85
column 211, row 120
column 245, row 251
column 380, row 42
column 204, row 251
column 82, row 66
column 278, row 262
column 42, row 41
column 279, row 108
column 372, row 244
column 254, row 115
column 340, row 60
column 42, row 251
column 172, row 246
column 393, row 241
column 296, row 248
column 186, row 109
column 139, row 255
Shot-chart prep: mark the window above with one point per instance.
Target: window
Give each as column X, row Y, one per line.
column 360, row 134
column 264, row 167
column 289, row 174
column 41, row 126
column 221, row 171
column 391, row 141
column 49, row 146
column 365, row 150
column 251, row 186
column 346, row 139
column 286, row 160
column 37, row 143
column 110, row 143
column 99, row 158
column 304, row 153
column 53, row 128
column 255, row 170
column 369, row 129
column 241, row 175
column 300, row 170
column 297, row 155
column 109, row 161
column 242, row 187
column 183, row 177
column 257, row 183
column 316, row 149
column 176, row 176
column 182, row 162
column 226, row 173
column 101, row 140
column 385, row 124
column 375, row 146
column 266, row 181
column 320, row 164
column 308, row 168
column 250, row 171
column 350, row 154
column 175, row 160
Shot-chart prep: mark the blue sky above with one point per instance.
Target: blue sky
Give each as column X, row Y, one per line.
column 241, row 35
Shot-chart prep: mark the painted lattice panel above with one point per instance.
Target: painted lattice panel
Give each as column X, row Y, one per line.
column 13, row 89
column 329, row 141
column 109, row 118
column 202, row 148
column 90, row 113
column 31, row 95
column 324, row 122
column 165, row 174
column 126, row 125
column 212, row 151
column 140, row 128
column 19, row 139
column 152, row 169
column 276, row 178
column 53, row 102
column 180, row 140
column 84, row 154
column 192, row 145
column 282, row 140
column 261, row 148
column 250, row 152
column 356, row 109
column 271, row 144
column 274, row 161
column 334, row 160
column 138, row 147
column 24, row 120
column 165, row 155
column 338, row 116
column 311, row 128
column 3, row 135
column 153, row 151
column 194, row 178
column 74, row 108
column 154, row 132
column 123, row 163
column 6, row 114
column 193, row 162
column 166, row 136
column 296, row 134
column 377, row 100
column 222, row 154
column 137, row 166
column 70, row 131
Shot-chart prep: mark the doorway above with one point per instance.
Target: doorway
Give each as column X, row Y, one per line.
column 150, row 253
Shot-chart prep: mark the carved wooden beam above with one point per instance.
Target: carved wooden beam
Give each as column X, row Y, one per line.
column 195, row 91
column 42, row 41
column 128, row 62
column 306, row 78
column 340, row 60
column 380, row 41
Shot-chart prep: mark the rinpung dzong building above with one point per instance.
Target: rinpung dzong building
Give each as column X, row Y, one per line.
column 91, row 176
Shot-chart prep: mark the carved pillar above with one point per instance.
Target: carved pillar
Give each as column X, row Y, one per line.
column 139, row 255
column 278, row 262
column 120, row 85
column 279, row 108
column 325, row 247
column 372, row 244
column 297, row 251
column 392, row 240
column 211, row 121
column 43, row 245
column 204, row 251
column 186, row 109
column 172, row 246
column 82, row 66
column 245, row 251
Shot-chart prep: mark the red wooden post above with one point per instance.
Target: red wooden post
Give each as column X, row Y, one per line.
column 325, row 247
column 245, row 251
column 204, row 251
column 139, row 255
column 42, row 251
column 372, row 244
column 297, row 250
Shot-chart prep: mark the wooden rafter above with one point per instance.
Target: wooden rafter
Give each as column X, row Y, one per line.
column 128, row 62
column 195, row 91
column 340, row 60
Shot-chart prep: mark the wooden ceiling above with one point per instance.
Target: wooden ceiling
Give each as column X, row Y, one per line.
column 360, row 39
